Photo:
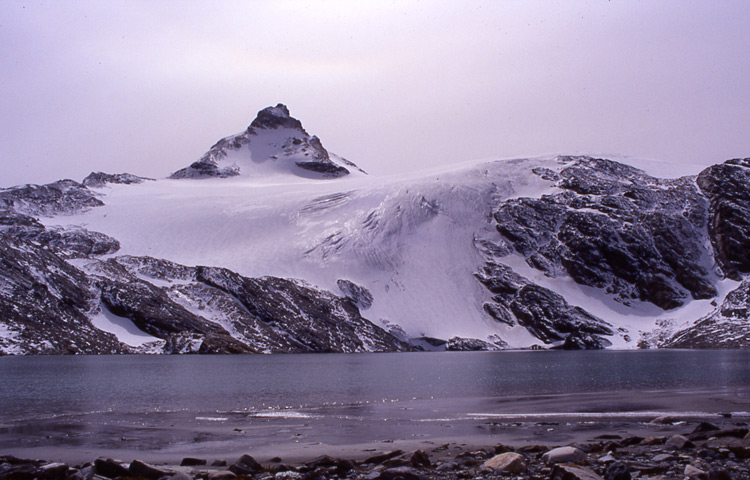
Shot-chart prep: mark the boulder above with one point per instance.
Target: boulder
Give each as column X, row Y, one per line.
column 506, row 462
column 106, row 467
column 564, row 455
column 694, row 473
column 142, row 469
column 574, row 472
column 678, row 442
column 221, row 476
column 246, row 465
column 419, row 459
column 53, row 471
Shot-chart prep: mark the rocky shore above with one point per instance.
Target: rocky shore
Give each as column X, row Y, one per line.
column 703, row 451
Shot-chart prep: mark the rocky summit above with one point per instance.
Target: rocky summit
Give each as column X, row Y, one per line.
column 291, row 248
column 273, row 141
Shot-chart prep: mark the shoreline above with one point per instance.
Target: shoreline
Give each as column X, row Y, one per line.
column 669, row 446
column 355, row 431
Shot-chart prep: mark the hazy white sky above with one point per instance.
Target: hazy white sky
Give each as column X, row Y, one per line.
column 148, row 86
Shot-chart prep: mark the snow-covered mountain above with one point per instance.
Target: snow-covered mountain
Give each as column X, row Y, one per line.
column 274, row 144
column 269, row 243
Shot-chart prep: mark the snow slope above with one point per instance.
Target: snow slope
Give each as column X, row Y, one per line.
column 409, row 239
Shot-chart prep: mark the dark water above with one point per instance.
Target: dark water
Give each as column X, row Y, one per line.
column 206, row 404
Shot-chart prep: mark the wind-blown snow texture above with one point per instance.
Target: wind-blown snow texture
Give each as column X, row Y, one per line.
column 304, row 252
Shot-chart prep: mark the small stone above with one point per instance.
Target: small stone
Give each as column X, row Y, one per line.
column 506, row 462
column 500, row 448
column 446, row 467
column 664, row 420
column 246, row 465
column 634, row 440
column 652, row 441
column 288, row 475
column 608, row 436
column 718, row 474
column 618, row 471
column 564, row 455
column 142, row 469
column 663, row 457
column 678, row 442
column 192, row 462
column 705, row 427
column 221, row 476
column 106, row 467
column 419, row 459
column 53, row 471
column 180, row 476
column 85, row 473
column 378, row 459
column 694, row 472
column 219, row 463
column 532, row 449
column 574, row 472
column 405, row 473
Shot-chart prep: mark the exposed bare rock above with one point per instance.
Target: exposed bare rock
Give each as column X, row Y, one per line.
column 100, row 179
column 45, row 304
column 63, row 197
column 318, row 321
column 356, row 293
column 727, row 327
column 618, row 229
column 544, row 313
column 727, row 187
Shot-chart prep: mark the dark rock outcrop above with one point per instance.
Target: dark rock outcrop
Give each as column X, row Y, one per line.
column 459, row 344
column 63, row 197
column 276, row 117
column 616, row 228
column 727, row 187
column 356, row 293
column 727, row 327
column 99, row 179
column 45, row 304
column 317, row 321
column 544, row 313
column 68, row 242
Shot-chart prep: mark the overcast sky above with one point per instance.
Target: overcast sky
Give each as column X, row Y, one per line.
column 147, row 87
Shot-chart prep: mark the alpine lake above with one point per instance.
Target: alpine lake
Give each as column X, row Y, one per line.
column 163, row 408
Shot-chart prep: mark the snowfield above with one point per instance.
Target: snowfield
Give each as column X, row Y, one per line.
column 409, row 239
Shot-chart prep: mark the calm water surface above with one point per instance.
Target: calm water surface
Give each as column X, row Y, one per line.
column 203, row 403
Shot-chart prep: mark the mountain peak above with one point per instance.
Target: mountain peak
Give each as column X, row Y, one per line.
column 274, row 143
column 276, row 117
